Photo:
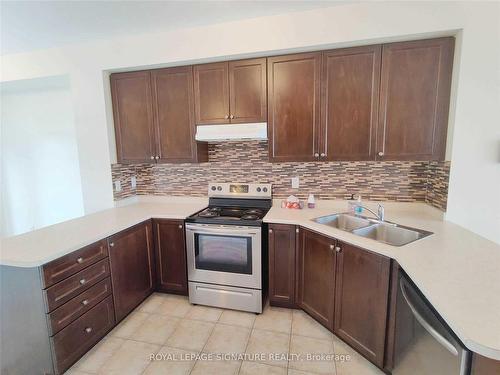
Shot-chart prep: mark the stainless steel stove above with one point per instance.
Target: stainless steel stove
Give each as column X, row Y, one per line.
column 226, row 250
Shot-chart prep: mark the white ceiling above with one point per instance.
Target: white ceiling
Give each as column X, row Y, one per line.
column 30, row 25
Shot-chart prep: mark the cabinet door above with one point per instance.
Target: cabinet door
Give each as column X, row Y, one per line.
column 414, row 99
column 211, row 90
column 350, row 92
column 282, row 265
column 247, row 91
column 361, row 300
column 173, row 100
column 484, row 366
column 170, row 249
column 133, row 116
column 316, row 276
column 293, row 94
column 132, row 265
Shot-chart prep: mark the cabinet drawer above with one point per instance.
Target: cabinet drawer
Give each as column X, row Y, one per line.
column 62, row 292
column 72, row 263
column 74, row 340
column 65, row 314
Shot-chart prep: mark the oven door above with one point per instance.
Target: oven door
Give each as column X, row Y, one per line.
column 224, row 255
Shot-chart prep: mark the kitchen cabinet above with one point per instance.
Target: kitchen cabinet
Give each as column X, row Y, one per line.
column 133, row 116
column 350, row 93
column 361, row 300
column 293, row 94
column 170, row 251
column 154, row 117
column 173, row 103
column 230, row 92
column 414, row 99
column 131, row 257
column 282, row 245
column 316, row 276
column 484, row 366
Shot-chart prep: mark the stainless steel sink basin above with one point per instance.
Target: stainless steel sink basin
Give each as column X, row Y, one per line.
column 392, row 234
column 343, row 221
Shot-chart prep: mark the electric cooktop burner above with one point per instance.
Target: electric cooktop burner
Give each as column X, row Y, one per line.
column 232, row 213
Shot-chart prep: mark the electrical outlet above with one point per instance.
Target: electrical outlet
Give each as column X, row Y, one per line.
column 133, row 182
column 295, row 182
column 118, row 185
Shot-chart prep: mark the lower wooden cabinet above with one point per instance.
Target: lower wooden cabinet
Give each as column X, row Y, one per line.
column 361, row 300
column 316, row 276
column 282, row 241
column 170, row 251
column 131, row 259
column 484, row 366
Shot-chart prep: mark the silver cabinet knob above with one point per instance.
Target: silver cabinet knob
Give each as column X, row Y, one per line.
column 316, row 155
column 297, row 230
column 323, row 155
column 157, row 157
column 85, row 302
column 88, row 329
column 180, row 226
column 338, row 249
column 270, row 231
column 152, row 158
column 83, row 281
column 332, row 247
column 79, row 260
column 226, row 117
column 111, row 244
column 232, row 116
column 380, row 153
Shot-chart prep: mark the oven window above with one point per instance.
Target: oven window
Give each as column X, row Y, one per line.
column 223, row 253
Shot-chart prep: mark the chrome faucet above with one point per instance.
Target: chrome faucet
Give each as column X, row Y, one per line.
column 380, row 214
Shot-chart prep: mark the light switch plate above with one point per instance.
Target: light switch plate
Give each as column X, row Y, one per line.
column 118, row 185
column 295, row 182
column 133, row 182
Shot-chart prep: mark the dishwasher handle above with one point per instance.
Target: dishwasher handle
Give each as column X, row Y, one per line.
column 429, row 328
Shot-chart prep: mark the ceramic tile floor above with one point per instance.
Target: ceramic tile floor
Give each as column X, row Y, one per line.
column 170, row 327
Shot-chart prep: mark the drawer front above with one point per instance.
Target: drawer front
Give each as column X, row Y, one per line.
column 72, row 263
column 65, row 314
column 74, row 340
column 69, row 288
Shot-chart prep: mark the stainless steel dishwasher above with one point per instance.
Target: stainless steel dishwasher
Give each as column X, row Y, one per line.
column 424, row 344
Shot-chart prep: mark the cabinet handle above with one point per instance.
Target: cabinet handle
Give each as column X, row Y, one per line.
column 226, row 117
column 83, row 281
column 270, row 231
column 88, row 329
column 332, row 247
column 323, row 155
column 152, row 158
column 180, row 226
column 316, row 155
column 111, row 244
column 157, row 157
column 338, row 249
column 232, row 116
column 79, row 260
column 296, row 230
column 85, row 302
column 380, row 153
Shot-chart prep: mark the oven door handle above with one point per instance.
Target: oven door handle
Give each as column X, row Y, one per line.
column 227, row 231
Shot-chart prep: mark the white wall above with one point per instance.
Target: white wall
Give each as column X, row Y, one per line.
column 40, row 170
column 476, row 81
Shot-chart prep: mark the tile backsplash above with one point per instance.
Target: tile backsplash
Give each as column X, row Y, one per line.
column 246, row 162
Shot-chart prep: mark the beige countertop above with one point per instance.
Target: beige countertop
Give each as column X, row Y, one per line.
column 457, row 270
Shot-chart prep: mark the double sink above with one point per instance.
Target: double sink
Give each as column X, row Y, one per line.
column 381, row 231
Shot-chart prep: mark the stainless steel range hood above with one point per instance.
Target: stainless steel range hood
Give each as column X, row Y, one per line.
column 230, row 132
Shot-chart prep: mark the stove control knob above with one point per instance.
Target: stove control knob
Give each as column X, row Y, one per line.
column 264, row 190
column 213, row 188
column 219, row 188
column 258, row 190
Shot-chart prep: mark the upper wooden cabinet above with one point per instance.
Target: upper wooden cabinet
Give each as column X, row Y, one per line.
column 282, row 241
column 350, row 92
column 316, row 276
column 174, row 116
column 230, row 92
column 133, row 116
column 154, row 116
column 414, row 99
column 294, row 106
column 361, row 300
